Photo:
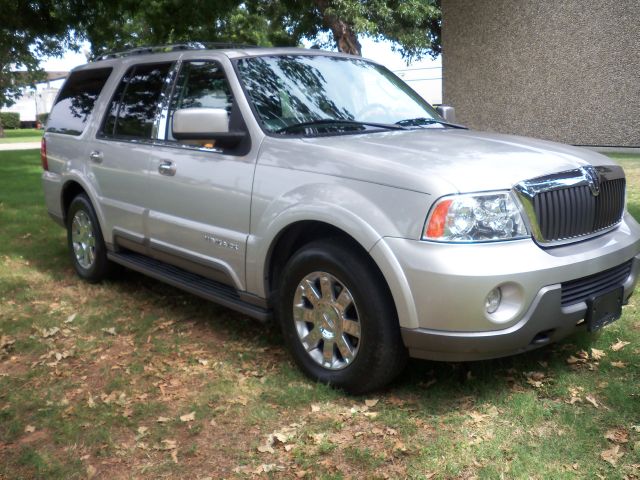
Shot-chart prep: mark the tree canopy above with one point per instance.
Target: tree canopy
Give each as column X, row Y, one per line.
column 31, row 30
column 412, row 25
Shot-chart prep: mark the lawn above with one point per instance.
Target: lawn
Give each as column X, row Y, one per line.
column 135, row 379
column 21, row 135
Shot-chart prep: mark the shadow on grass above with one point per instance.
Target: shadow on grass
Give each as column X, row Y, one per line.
column 29, row 234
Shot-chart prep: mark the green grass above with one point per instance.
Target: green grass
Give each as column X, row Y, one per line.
column 21, row 135
column 112, row 402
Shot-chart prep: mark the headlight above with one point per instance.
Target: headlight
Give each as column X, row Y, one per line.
column 475, row 218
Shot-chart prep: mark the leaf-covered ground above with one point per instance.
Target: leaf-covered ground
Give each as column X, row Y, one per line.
column 135, row 379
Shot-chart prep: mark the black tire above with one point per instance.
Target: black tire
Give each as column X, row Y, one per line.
column 100, row 268
column 380, row 352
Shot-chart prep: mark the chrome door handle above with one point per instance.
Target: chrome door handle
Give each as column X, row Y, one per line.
column 95, row 156
column 167, row 168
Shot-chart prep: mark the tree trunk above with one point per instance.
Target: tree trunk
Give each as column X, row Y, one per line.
column 346, row 39
column 1, row 129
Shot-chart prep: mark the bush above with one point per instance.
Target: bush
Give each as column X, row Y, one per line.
column 10, row 120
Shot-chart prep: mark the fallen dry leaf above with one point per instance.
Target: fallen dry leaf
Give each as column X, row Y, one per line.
column 6, row 342
column 372, row 402
column 612, row 455
column 618, row 364
column 169, row 445
column 266, row 449
column 91, row 471
column 592, row 401
column 597, row 354
column 163, row 420
column 109, row 331
column 71, row 318
column 619, row 345
column 29, row 429
column 617, row 435
column 47, row 333
column 188, row 417
column 315, row 408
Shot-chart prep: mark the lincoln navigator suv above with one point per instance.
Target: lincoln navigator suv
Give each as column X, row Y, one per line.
column 318, row 189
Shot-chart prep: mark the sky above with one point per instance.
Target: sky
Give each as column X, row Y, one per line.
column 424, row 76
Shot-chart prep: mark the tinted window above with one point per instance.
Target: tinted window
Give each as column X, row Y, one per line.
column 134, row 106
column 76, row 100
column 289, row 90
column 200, row 85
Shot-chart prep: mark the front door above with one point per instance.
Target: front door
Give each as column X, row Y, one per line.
column 200, row 195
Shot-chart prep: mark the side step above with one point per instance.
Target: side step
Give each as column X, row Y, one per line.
column 198, row 285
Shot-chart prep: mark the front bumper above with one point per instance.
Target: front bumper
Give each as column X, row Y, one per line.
column 446, row 286
column 545, row 322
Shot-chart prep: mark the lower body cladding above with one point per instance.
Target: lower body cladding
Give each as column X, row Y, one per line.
column 483, row 301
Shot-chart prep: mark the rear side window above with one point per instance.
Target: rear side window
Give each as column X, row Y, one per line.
column 134, row 107
column 75, row 102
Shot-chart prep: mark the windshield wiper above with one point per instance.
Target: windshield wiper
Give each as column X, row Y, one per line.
column 338, row 121
column 423, row 121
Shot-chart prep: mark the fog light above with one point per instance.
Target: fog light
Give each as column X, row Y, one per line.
column 492, row 302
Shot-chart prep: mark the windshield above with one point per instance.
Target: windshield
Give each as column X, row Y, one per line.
column 324, row 94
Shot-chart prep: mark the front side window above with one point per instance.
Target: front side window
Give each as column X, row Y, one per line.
column 134, row 107
column 333, row 92
column 200, row 84
column 76, row 100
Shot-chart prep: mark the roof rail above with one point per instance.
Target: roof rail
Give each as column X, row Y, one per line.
column 145, row 50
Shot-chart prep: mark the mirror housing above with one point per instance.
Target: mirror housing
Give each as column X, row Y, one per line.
column 205, row 124
column 447, row 112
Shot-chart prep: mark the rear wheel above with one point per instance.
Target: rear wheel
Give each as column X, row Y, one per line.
column 338, row 318
column 86, row 245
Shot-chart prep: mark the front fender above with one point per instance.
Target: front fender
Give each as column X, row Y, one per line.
column 366, row 212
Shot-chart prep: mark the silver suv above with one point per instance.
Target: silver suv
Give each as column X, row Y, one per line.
column 319, row 189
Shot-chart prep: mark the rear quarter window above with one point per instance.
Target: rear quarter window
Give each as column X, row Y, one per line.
column 76, row 100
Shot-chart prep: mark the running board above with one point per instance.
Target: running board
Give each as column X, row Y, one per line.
column 196, row 284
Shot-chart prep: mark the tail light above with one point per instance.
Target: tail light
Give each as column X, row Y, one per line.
column 43, row 154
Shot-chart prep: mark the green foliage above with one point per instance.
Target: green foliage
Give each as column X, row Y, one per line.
column 10, row 120
column 412, row 25
column 30, row 31
column 43, row 117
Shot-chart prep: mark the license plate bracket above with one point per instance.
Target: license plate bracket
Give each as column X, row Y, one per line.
column 604, row 309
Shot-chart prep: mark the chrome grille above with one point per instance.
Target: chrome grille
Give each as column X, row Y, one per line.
column 572, row 205
column 573, row 212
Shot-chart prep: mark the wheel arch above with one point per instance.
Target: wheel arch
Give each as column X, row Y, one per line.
column 74, row 185
column 296, row 234
column 70, row 190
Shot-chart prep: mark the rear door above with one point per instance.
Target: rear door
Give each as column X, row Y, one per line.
column 200, row 194
column 119, row 158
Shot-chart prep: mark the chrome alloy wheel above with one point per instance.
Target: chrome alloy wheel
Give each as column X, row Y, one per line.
column 83, row 239
column 327, row 321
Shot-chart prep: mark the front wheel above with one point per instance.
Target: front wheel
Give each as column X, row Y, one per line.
column 338, row 318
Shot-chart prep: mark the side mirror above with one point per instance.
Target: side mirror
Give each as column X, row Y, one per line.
column 447, row 112
column 205, row 124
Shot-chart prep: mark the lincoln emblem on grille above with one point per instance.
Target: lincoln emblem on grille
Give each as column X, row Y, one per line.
column 591, row 175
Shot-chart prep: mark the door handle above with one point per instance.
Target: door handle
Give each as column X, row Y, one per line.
column 96, row 156
column 167, row 168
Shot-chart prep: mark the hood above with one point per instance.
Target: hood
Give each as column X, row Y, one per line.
column 431, row 160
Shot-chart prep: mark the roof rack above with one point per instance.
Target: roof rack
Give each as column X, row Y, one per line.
column 169, row 48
